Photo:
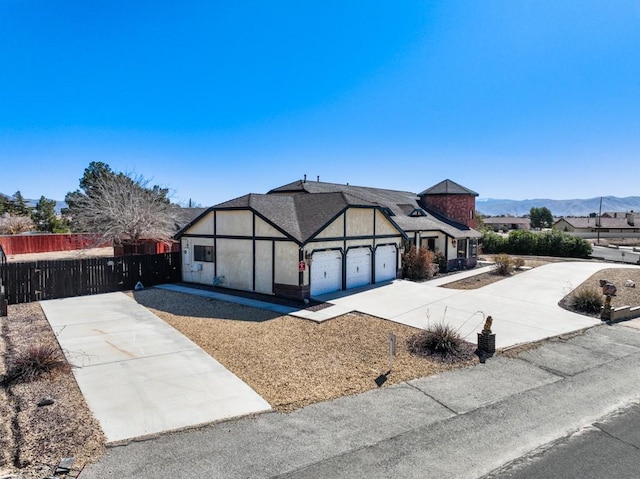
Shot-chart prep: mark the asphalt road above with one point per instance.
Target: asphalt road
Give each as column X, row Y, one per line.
column 607, row 448
column 623, row 255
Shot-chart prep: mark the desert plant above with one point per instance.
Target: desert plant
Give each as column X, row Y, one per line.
column 504, row 264
column 34, row 362
column 440, row 339
column 587, row 300
column 419, row 263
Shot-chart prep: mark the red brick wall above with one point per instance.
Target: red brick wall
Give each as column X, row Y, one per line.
column 456, row 207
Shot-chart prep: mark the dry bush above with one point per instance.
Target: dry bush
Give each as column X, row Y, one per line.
column 587, row 299
column 419, row 263
column 518, row 263
column 36, row 361
column 442, row 341
column 504, row 264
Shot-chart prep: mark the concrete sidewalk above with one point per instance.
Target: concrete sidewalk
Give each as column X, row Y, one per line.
column 139, row 375
column 460, row 424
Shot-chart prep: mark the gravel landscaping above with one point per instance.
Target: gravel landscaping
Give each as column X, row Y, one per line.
column 33, row 436
column 293, row 362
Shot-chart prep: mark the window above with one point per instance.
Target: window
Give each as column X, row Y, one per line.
column 462, row 248
column 473, row 246
column 203, row 253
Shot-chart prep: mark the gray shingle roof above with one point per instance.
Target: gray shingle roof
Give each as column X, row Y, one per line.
column 299, row 216
column 611, row 223
column 448, row 187
column 302, row 208
column 499, row 220
column 400, row 203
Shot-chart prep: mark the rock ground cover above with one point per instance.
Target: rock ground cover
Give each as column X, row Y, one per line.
column 293, row 362
column 33, row 436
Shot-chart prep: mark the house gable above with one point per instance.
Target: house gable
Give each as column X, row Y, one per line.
column 202, row 226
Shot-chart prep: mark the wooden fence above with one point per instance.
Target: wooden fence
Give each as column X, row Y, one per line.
column 48, row 242
column 3, row 298
column 40, row 280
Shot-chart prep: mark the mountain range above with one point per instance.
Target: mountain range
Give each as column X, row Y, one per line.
column 576, row 207
column 506, row 207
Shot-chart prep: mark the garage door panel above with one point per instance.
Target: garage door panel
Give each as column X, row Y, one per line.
column 358, row 267
column 326, row 272
column 386, row 263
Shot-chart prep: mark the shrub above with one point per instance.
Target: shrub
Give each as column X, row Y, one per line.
column 36, row 361
column 438, row 339
column 503, row 264
column 418, row 263
column 587, row 300
column 546, row 243
column 518, row 263
column 493, row 243
column 440, row 261
column 521, row 242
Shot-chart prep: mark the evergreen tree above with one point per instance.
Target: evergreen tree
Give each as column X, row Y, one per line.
column 45, row 218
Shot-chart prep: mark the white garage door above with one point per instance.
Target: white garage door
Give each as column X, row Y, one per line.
column 358, row 267
column 326, row 272
column 386, row 263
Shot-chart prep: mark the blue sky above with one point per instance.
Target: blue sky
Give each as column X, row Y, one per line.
column 513, row 99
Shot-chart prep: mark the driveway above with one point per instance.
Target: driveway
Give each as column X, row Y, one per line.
column 139, row 375
column 524, row 308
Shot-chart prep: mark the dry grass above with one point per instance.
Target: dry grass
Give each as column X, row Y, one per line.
column 32, row 436
column 289, row 361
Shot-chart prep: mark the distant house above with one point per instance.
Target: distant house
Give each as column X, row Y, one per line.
column 590, row 227
column 308, row 238
column 507, row 223
column 622, row 214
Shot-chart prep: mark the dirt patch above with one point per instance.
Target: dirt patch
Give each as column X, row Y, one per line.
column 478, row 281
column 61, row 255
column 625, row 296
column 33, row 436
column 293, row 362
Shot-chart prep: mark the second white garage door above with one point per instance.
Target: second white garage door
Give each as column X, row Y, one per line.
column 326, row 272
column 358, row 267
column 385, row 263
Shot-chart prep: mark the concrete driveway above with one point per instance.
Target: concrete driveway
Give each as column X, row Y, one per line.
column 139, row 375
column 524, row 308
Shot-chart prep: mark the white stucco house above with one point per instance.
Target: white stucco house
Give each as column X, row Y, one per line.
column 308, row 238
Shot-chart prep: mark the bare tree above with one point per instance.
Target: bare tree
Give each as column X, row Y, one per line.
column 13, row 224
column 122, row 207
